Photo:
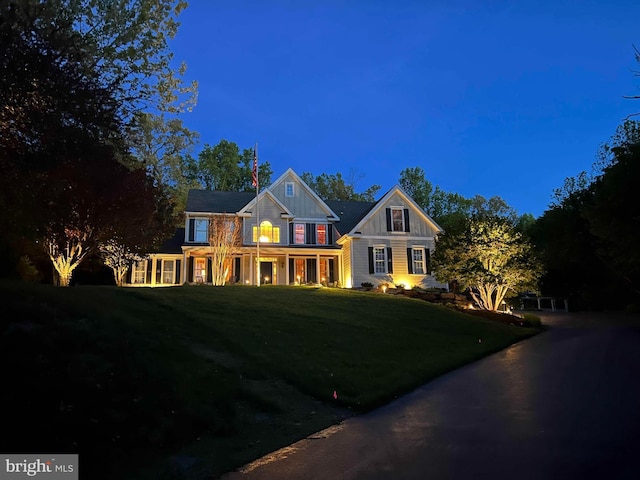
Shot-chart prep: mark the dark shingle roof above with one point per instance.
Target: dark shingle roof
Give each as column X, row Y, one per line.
column 350, row 213
column 173, row 244
column 214, row 201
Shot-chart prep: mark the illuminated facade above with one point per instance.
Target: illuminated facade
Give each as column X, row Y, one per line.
column 302, row 240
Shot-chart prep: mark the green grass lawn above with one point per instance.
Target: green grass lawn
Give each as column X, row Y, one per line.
column 190, row 382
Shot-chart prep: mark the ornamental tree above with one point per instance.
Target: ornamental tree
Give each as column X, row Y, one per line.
column 225, row 236
column 490, row 257
column 106, row 203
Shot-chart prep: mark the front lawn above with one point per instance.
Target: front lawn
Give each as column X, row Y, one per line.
column 195, row 381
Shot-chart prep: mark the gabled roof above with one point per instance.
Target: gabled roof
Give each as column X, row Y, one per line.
column 215, row 201
column 350, row 213
column 265, row 193
column 380, row 203
column 331, row 213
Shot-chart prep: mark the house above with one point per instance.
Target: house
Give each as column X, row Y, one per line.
column 303, row 239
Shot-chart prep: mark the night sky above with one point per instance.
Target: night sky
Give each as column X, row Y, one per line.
column 488, row 97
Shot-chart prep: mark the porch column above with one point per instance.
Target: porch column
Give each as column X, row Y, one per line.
column 286, row 268
column 251, row 270
column 317, row 268
column 185, row 261
column 154, row 266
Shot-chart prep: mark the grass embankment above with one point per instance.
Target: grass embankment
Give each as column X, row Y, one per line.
column 194, row 381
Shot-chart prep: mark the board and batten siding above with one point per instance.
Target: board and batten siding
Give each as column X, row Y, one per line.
column 302, row 204
column 377, row 224
column 268, row 211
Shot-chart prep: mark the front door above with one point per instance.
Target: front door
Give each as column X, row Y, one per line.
column 266, row 272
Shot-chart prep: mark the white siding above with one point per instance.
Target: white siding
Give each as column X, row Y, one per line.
column 377, row 224
column 268, row 211
column 302, row 204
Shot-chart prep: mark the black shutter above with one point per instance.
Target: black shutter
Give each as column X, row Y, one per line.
column 236, row 273
column 192, row 229
column 149, row 267
column 427, row 255
column 330, row 234
column 178, row 272
column 292, row 271
column 311, row 270
column 388, row 219
column 311, row 233
column 389, row 261
column 190, row 270
column 410, row 259
column 331, row 271
column 209, row 270
column 371, row 267
column 291, row 239
column 159, row 270
column 406, row 220
column 129, row 274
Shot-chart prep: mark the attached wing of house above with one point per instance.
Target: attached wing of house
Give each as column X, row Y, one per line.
column 302, row 239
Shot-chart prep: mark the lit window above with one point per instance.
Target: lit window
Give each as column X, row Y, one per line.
column 288, row 189
column 139, row 271
column 298, row 233
column 379, row 260
column 268, row 233
column 321, row 234
column 418, row 261
column 397, row 219
column 167, row 271
column 200, row 270
column 201, row 227
column 300, row 270
column 324, row 270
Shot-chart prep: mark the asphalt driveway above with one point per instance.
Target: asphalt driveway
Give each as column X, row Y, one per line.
column 564, row 404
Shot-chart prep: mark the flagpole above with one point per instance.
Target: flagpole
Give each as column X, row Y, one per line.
column 257, row 185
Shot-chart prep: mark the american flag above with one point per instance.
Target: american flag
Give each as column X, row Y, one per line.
column 254, row 172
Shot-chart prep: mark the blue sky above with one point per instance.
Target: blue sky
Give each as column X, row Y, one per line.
column 488, row 97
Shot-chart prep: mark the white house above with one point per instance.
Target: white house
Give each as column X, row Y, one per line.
column 303, row 239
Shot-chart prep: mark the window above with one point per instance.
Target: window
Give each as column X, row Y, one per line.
column 268, row 233
column 298, row 233
column 288, row 189
column 299, row 270
column 200, row 270
column 139, row 272
column 201, row 230
column 379, row 260
column 397, row 219
column 321, row 234
column 324, row 270
column 418, row 260
column 167, row 271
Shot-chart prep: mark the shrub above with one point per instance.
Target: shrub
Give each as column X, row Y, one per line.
column 531, row 320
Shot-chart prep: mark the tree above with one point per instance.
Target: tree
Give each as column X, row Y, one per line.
column 118, row 257
column 222, row 167
column 334, row 187
column 589, row 234
column 76, row 75
column 414, row 182
column 489, row 257
column 225, row 237
column 89, row 207
column 161, row 145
